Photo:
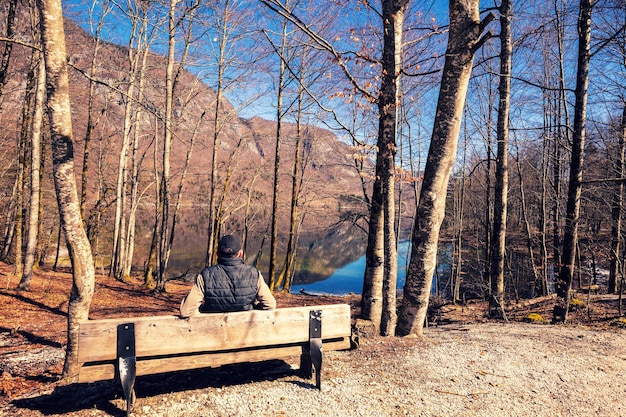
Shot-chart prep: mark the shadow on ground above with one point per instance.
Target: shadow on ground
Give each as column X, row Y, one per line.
column 100, row 395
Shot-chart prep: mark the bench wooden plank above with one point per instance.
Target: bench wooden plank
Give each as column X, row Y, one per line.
column 101, row 372
column 170, row 335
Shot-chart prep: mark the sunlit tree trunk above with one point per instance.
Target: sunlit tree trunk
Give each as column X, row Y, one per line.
column 120, row 232
column 379, row 281
column 167, row 145
column 279, row 121
column 570, row 235
column 59, row 114
column 286, row 272
column 463, row 40
column 498, row 250
column 190, row 16
column 213, row 237
column 143, row 50
column 35, row 176
column 91, row 120
column 22, row 166
column 388, row 102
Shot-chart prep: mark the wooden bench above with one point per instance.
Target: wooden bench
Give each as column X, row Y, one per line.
column 124, row 348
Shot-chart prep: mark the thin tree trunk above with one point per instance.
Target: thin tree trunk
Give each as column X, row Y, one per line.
column 119, row 231
column 283, row 278
column 560, row 125
column 279, row 121
column 35, row 176
column 529, row 237
column 90, row 114
column 616, row 209
column 167, row 144
column 463, row 40
column 22, row 166
column 135, row 159
column 498, row 251
column 10, row 226
column 8, row 48
column 570, row 236
column 211, row 255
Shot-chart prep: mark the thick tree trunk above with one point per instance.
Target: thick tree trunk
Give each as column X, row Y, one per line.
column 59, row 114
column 393, row 22
column 379, row 281
column 372, row 293
column 463, row 40
column 570, row 236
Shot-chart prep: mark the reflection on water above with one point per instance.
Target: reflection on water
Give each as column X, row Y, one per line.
column 349, row 279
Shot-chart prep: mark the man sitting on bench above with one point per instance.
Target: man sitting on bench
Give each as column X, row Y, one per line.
column 230, row 285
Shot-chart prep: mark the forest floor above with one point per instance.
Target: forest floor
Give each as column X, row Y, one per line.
column 465, row 365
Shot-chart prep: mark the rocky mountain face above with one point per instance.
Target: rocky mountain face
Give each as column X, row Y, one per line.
column 331, row 188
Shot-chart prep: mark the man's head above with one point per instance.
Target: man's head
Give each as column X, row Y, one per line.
column 229, row 246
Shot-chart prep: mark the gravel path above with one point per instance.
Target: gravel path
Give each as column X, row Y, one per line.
column 472, row 370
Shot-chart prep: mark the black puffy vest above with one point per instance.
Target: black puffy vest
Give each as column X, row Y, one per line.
column 230, row 285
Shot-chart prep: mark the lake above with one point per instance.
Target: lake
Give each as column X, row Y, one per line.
column 349, row 279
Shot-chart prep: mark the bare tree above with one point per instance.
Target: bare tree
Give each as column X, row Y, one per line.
column 282, row 75
column 8, row 47
column 498, row 250
column 35, row 174
column 59, row 115
column 617, row 208
column 570, row 236
column 463, row 40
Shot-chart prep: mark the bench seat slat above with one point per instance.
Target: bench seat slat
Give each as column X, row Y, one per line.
column 106, row 371
column 170, row 335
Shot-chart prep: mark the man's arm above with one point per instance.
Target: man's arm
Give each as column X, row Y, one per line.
column 190, row 306
column 264, row 296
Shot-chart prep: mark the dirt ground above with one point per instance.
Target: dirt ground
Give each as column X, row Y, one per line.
column 33, row 333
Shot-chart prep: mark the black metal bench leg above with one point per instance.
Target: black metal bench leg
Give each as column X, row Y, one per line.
column 315, row 344
column 316, row 358
column 127, row 362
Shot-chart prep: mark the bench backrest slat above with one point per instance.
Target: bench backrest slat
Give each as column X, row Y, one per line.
column 168, row 335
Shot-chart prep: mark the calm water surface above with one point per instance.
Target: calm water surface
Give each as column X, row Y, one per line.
column 349, row 279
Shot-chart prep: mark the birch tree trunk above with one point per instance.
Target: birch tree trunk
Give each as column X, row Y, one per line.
column 35, row 175
column 463, row 40
column 570, row 235
column 59, row 115
column 498, row 249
